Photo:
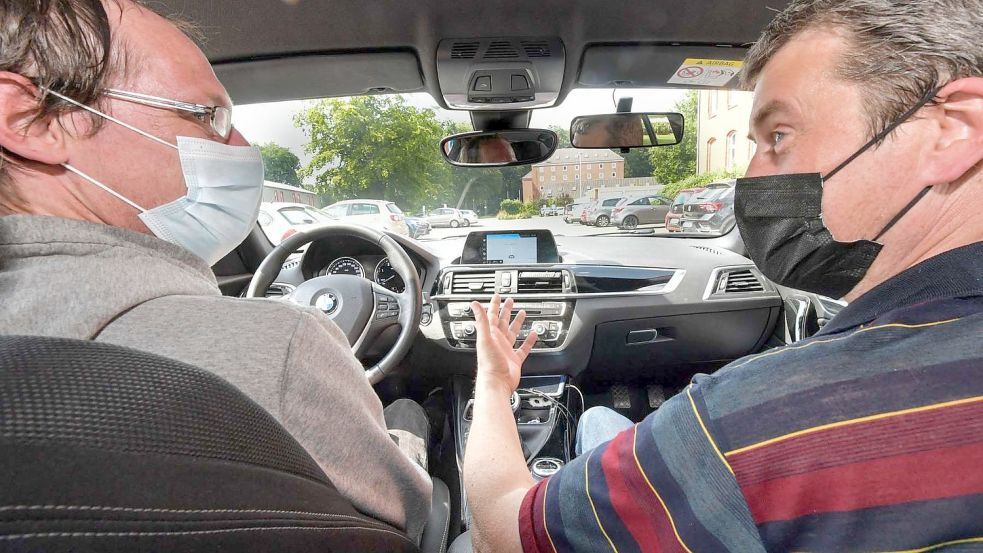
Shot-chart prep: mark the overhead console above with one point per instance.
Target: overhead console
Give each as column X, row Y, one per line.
column 501, row 73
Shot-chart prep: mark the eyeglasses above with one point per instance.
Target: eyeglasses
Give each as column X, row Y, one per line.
column 219, row 117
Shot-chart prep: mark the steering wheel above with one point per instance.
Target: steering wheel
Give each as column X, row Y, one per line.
column 360, row 307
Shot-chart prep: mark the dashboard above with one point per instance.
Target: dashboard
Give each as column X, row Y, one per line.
column 613, row 305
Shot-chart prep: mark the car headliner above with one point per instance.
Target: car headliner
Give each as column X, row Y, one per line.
column 312, row 48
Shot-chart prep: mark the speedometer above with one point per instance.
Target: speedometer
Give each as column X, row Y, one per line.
column 346, row 266
column 386, row 276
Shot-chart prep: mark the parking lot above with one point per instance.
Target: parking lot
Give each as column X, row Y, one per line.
column 554, row 224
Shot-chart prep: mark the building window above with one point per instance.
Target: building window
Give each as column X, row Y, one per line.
column 576, row 177
column 600, row 166
column 712, row 103
column 710, row 144
column 614, row 174
column 731, row 99
column 564, row 177
column 731, row 152
column 553, row 178
column 553, row 168
column 600, row 175
column 578, row 168
column 564, row 167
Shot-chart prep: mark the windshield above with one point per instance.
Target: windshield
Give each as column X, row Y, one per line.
column 378, row 154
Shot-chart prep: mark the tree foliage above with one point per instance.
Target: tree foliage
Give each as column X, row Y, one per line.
column 638, row 163
column 374, row 147
column 280, row 163
column 698, row 181
column 563, row 134
column 674, row 163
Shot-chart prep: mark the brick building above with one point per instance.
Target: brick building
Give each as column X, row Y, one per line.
column 723, row 120
column 572, row 172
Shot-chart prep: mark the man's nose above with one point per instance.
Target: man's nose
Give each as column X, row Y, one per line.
column 236, row 139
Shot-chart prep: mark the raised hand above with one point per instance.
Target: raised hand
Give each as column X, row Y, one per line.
column 497, row 359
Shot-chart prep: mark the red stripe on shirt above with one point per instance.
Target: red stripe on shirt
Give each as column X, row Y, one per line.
column 921, row 476
column 531, row 530
column 632, row 498
column 950, row 426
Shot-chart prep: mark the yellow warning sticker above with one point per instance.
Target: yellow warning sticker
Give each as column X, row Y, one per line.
column 706, row 72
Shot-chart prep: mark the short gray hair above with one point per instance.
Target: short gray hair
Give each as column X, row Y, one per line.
column 897, row 49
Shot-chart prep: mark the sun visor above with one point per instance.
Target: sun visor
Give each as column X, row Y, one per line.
column 318, row 76
column 500, row 74
column 661, row 66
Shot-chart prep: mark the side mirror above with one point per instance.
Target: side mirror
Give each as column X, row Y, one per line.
column 499, row 148
column 627, row 130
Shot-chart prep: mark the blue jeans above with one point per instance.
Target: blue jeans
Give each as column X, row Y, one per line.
column 599, row 425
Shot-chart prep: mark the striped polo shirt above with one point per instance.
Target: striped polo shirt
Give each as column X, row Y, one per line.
column 865, row 437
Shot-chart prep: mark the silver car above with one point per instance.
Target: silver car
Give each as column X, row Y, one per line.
column 645, row 210
column 447, row 217
column 600, row 213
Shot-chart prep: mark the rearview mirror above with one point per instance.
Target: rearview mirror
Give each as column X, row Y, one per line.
column 499, row 148
column 627, row 130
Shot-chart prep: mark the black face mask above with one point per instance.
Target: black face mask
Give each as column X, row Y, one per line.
column 780, row 218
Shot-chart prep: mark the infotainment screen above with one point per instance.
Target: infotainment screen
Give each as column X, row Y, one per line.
column 517, row 247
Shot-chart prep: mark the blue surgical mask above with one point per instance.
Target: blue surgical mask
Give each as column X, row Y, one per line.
column 225, row 188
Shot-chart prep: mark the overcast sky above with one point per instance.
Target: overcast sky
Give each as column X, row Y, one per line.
column 273, row 122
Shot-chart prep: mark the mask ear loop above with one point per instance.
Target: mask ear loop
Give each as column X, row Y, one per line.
column 881, row 135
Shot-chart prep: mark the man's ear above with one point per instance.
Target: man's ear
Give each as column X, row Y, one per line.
column 41, row 140
column 958, row 145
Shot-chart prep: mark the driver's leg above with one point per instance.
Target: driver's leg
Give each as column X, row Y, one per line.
column 410, row 429
column 599, row 425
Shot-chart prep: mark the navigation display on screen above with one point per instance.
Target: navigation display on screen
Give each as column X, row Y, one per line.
column 510, row 248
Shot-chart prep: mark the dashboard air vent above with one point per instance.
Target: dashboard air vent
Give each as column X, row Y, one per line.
column 464, row 50
column 501, row 49
column 536, row 48
column 473, row 283
column 277, row 291
column 740, row 281
column 540, row 282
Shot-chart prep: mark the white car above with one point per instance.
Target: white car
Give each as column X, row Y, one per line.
column 280, row 220
column 447, row 217
column 470, row 216
column 377, row 214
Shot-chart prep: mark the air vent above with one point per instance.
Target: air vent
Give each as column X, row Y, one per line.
column 739, row 281
column 501, row 49
column 540, row 282
column 536, row 48
column 464, row 50
column 277, row 291
column 473, row 283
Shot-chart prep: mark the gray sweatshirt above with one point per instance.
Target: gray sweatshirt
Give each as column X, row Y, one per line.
column 73, row 279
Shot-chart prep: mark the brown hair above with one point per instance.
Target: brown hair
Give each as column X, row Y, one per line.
column 898, row 50
column 61, row 45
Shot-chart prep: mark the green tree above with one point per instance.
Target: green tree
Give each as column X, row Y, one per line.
column 374, row 147
column 638, row 163
column 563, row 134
column 674, row 163
column 281, row 164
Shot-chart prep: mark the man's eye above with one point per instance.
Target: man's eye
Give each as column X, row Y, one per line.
column 777, row 137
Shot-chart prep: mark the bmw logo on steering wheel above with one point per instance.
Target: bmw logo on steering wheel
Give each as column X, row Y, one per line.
column 327, row 303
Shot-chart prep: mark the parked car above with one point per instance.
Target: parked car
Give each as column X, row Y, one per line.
column 571, row 213
column 712, row 210
column 600, row 212
column 645, row 210
column 447, row 217
column 550, row 210
column 280, row 220
column 417, row 226
column 583, row 213
column 676, row 209
column 377, row 214
column 470, row 216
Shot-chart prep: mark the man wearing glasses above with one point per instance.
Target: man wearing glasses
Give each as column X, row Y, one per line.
column 122, row 181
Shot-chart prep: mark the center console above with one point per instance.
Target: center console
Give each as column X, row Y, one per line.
column 542, row 416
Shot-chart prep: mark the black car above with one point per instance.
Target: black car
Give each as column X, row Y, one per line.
column 710, row 211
